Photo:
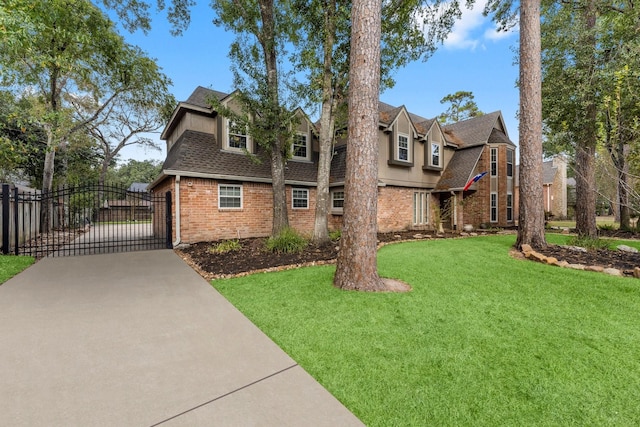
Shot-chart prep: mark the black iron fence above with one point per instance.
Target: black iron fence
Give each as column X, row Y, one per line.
column 83, row 219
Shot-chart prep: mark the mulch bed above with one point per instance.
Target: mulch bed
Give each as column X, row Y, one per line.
column 252, row 257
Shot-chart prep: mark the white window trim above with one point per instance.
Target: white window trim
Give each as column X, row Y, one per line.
column 423, row 197
column 241, row 196
column 228, row 139
column 408, row 147
column 493, row 150
column 492, row 206
column 337, row 209
column 439, row 155
column 308, row 145
column 306, row 190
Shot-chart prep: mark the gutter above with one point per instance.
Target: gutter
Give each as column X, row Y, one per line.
column 177, row 191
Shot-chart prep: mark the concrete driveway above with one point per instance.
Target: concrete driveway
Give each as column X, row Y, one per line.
column 140, row 339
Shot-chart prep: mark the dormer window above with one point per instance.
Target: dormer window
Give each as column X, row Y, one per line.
column 236, row 136
column 300, row 147
column 403, row 148
column 435, row 154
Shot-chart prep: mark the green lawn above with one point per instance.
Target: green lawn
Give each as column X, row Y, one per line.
column 11, row 265
column 481, row 340
column 601, row 220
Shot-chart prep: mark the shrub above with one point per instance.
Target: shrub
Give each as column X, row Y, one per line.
column 335, row 235
column 607, row 227
column 225, row 246
column 287, row 241
column 589, row 243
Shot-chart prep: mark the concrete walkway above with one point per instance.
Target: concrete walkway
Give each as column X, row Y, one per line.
column 140, row 339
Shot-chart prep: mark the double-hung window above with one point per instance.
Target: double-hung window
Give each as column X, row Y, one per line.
column 403, row 148
column 435, row 154
column 236, row 136
column 509, row 207
column 337, row 200
column 494, row 162
column 510, row 155
column 299, row 198
column 300, row 147
column 229, row 196
column 494, row 207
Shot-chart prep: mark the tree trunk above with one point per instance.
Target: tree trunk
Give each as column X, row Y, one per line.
column 585, row 192
column 357, row 259
column 622, row 167
column 531, row 209
column 587, row 139
column 280, row 215
column 272, row 116
column 46, row 214
column 327, row 131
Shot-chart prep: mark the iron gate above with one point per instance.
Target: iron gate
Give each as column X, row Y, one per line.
column 83, row 219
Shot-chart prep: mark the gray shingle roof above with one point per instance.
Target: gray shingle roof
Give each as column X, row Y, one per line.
column 339, row 164
column 460, row 169
column 201, row 95
column 138, row 186
column 200, row 153
column 477, row 131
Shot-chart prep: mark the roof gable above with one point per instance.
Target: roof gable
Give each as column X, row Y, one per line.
column 479, row 130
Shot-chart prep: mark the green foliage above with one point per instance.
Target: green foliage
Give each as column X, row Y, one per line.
column 79, row 70
column 462, row 107
column 226, row 246
column 287, row 241
column 607, row 227
column 335, row 235
column 590, row 243
column 134, row 171
column 493, row 341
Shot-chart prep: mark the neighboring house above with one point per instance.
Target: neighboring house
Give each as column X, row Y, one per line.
column 138, row 187
column 220, row 178
column 136, row 209
column 555, row 187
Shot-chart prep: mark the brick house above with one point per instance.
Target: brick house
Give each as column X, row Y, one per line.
column 221, row 192
column 556, row 188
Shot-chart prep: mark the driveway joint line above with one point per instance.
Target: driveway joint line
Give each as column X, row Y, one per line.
column 225, row 395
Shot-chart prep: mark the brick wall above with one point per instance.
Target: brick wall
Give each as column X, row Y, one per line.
column 202, row 220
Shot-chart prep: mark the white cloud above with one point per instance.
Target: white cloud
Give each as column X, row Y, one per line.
column 473, row 29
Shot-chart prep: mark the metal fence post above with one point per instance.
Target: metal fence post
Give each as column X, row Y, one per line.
column 16, row 221
column 6, row 218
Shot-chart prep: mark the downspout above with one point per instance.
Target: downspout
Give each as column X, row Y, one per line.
column 177, row 191
column 455, row 210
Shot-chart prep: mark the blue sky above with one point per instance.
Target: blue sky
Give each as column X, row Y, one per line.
column 473, row 58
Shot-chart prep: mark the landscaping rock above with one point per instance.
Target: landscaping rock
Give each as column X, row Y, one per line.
column 526, row 248
column 464, row 234
column 577, row 266
column 636, row 272
column 536, row 256
column 596, row 268
column 551, row 260
column 625, row 248
column 417, row 236
column 562, row 263
column 613, row 272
